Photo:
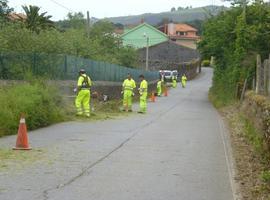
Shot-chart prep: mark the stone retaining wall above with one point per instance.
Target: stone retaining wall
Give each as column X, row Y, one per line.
column 257, row 109
column 111, row 89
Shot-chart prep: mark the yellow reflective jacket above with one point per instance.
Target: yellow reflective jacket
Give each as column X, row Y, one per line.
column 184, row 78
column 143, row 87
column 159, row 84
column 129, row 84
column 84, row 82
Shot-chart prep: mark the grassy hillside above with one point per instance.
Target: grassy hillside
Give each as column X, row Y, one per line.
column 186, row 15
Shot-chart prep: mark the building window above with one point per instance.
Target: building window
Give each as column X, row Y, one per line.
column 180, row 33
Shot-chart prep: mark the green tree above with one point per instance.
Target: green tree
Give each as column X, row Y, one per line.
column 234, row 37
column 76, row 20
column 4, row 8
column 36, row 21
column 173, row 9
column 180, row 8
column 4, row 12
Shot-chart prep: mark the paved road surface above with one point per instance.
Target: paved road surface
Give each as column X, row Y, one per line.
column 175, row 152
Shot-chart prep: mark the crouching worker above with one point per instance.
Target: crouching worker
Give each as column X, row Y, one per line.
column 143, row 94
column 82, row 101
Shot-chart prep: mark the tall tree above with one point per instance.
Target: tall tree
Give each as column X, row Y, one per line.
column 173, row 9
column 36, row 21
column 4, row 9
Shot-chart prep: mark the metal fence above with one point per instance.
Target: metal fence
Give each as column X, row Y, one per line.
column 63, row 67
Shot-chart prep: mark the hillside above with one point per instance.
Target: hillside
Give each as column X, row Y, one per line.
column 186, row 15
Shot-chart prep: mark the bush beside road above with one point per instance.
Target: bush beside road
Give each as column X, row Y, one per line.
column 40, row 103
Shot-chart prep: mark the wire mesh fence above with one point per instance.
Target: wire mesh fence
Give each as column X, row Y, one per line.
column 64, row 67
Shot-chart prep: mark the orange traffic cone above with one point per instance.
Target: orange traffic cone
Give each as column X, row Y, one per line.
column 22, row 138
column 165, row 91
column 153, row 97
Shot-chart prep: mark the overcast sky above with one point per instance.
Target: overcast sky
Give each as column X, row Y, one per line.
column 109, row 8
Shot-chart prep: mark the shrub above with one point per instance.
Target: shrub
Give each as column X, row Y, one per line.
column 40, row 103
column 206, row 63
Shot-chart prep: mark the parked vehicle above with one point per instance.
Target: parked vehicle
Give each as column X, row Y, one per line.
column 167, row 75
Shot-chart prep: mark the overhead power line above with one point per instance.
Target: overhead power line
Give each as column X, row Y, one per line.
column 61, row 5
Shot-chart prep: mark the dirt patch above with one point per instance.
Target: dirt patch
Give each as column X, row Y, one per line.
column 250, row 160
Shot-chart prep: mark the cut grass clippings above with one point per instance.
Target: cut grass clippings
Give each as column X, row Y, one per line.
column 22, row 158
column 100, row 110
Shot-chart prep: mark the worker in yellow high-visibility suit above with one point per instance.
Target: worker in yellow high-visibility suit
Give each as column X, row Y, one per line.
column 174, row 82
column 184, row 80
column 127, row 89
column 159, row 88
column 143, row 94
column 82, row 101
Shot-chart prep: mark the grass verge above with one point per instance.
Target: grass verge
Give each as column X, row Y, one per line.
column 251, row 157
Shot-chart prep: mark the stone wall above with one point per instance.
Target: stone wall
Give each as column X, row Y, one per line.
column 257, row 109
column 111, row 89
column 168, row 54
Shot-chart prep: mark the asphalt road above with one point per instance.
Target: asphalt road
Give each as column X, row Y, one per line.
column 177, row 151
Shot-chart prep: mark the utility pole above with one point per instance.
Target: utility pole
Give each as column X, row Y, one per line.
column 147, row 54
column 88, row 24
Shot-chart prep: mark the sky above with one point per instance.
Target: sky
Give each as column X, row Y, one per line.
column 108, row 8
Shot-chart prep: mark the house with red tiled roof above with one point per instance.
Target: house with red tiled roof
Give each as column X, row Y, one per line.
column 17, row 16
column 182, row 34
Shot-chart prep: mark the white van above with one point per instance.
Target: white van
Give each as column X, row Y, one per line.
column 167, row 74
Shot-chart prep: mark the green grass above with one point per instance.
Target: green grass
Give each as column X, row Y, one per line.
column 256, row 139
column 219, row 99
column 40, row 103
column 43, row 105
column 102, row 110
column 253, row 136
column 265, row 176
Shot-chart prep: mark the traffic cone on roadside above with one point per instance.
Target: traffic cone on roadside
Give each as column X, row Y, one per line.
column 22, row 137
column 165, row 91
column 153, row 97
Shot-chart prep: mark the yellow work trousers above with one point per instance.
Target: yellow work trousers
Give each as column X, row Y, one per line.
column 174, row 83
column 184, row 84
column 82, row 103
column 143, row 102
column 159, row 91
column 127, row 99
